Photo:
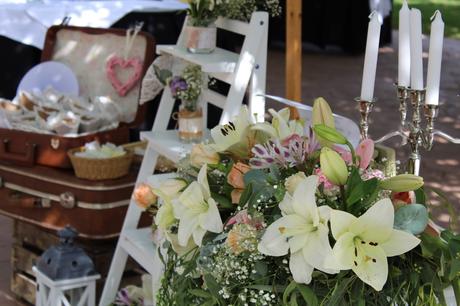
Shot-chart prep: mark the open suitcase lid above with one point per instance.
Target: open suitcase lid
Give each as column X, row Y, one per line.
column 87, row 50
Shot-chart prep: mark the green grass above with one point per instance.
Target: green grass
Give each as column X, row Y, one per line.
column 450, row 10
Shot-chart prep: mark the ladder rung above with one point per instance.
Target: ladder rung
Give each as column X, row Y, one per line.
column 214, row 98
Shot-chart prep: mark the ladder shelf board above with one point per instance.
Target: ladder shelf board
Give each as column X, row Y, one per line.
column 167, row 143
column 219, row 61
column 139, row 243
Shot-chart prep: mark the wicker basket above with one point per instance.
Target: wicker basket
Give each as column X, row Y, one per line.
column 100, row 168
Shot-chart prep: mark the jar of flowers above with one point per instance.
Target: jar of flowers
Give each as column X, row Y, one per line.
column 187, row 88
column 200, row 28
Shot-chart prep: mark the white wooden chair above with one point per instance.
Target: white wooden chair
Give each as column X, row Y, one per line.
column 246, row 70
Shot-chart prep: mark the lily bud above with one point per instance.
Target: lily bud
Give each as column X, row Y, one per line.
column 329, row 134
column 293, row 181
column 170, row 188
column 165, row 216
column 322, row 113
column 402, row 183
column 202, row 154
column 333, row 166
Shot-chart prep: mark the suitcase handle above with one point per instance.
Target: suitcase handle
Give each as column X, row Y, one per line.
column 26, row 159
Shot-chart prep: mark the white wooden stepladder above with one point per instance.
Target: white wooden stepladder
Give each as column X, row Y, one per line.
column 243, row 71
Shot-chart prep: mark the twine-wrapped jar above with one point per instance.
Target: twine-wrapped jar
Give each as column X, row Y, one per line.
column 190, row 124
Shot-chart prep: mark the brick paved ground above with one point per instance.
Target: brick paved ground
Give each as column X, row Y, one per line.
column 337, row 77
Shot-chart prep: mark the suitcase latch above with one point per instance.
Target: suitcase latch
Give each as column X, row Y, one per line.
column 55, row 143
column 67, row 200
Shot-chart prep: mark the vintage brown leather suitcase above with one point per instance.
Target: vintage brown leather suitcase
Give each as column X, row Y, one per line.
column 79, row 48
column 52, row 197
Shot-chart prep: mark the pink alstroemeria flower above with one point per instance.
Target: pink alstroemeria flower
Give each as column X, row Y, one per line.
column 364, row 150
column 322, row 179
column 243, row 217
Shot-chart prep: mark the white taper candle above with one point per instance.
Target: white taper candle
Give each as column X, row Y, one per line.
column 434, row 60
column 404, row 46
column 370, row 58
column 416, row 59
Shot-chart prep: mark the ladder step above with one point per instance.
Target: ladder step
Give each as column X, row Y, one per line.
column 138, row 243
column 167, row 143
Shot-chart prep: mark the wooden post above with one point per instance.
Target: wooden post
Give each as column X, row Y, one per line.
column 294, row 53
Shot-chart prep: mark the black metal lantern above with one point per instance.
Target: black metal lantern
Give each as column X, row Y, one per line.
column 66, row 261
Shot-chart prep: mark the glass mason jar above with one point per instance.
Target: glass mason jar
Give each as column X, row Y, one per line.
column 201, row 39
column 190, row 123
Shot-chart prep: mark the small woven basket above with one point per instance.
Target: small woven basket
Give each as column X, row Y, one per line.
column 100, row 168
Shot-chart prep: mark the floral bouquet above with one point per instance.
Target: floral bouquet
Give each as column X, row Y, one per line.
column 202, row 13
column 185, row 87
column 242, row 9
column 282, row 213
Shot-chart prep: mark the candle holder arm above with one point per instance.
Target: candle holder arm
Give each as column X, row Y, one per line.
column 391, row 135
column 446, row 137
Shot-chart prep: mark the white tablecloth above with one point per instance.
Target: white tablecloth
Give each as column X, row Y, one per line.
column 27, row 21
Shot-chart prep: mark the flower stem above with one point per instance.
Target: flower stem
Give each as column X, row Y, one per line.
column 456, row 287
column 343, row 197
column 353, row 153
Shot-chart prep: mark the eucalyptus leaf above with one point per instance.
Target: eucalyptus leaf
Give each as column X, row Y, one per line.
column 256, row 177
column 411, row 218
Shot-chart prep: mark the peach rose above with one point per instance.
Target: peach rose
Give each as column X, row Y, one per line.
column 236, row 175
column 144, row 196
column 402, row 198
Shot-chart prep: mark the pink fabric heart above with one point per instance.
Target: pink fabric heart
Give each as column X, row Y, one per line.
column 123, row 88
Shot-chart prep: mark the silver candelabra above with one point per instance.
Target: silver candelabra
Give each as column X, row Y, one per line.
column 414, row 133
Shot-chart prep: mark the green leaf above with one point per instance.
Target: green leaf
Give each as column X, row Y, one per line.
column 200, row 293
column 257, row 177
column 212, row 286
column 246, row 195
column 287, row 292
column 308, row 295
column 293, row 300
column 411, row 218
column 261, row 268
column 223, row 201
column 340, row 290
column 454, row 269
column 355, row 187
column 420, row 196
column 268, row 288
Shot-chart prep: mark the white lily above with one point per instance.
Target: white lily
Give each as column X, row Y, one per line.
column 302, row 230
column 363, row 244
column 229, row 134
column 281, row 127
column 167, row 191
column 197, row 211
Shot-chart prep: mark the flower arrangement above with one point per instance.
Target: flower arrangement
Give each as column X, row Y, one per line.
column 282, row 213
column 242, row 9
column 202, row 13
column 185, row 87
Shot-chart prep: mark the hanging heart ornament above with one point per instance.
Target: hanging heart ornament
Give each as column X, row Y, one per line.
column 114, row 62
